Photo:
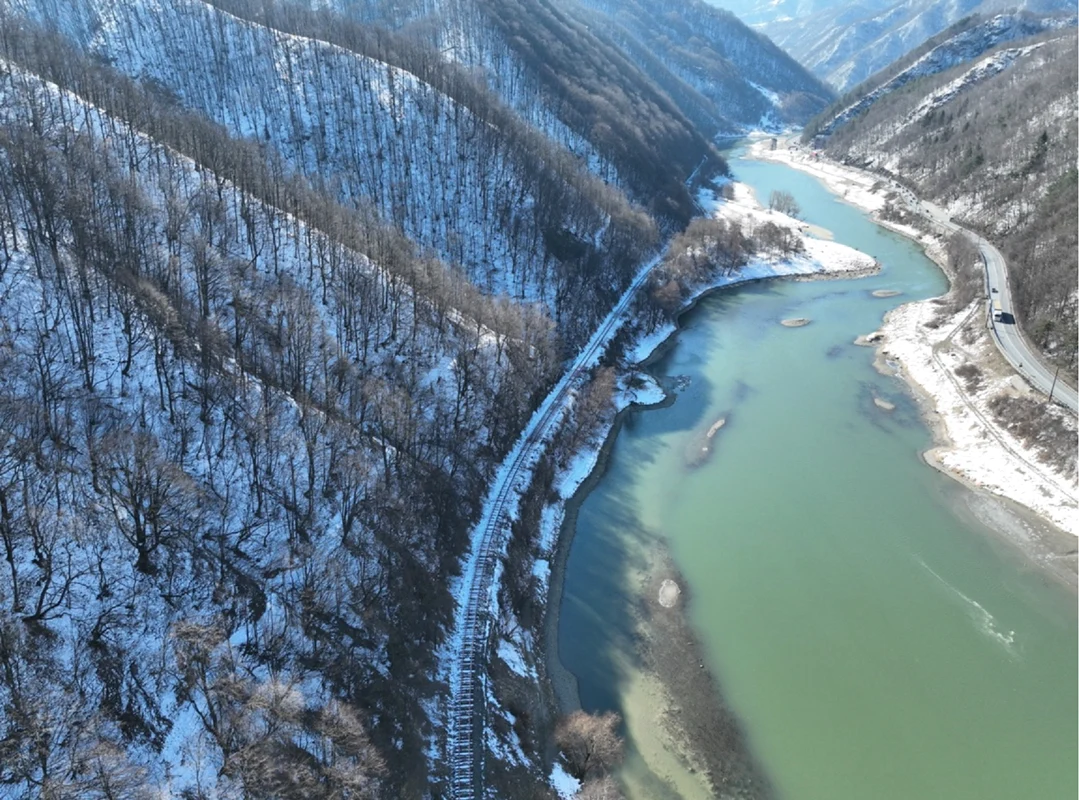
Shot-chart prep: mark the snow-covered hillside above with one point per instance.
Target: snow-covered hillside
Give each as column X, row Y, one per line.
column 993, row 139
column 704, row 59
column 377, row 132
column 727, row 77
column 962, row 46
column 218, row 421
column 845, row 43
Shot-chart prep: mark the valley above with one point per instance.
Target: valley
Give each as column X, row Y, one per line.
column 448, row 399
column 647, row 508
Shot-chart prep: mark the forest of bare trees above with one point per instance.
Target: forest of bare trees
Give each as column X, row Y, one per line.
column 238, row 439
column 278, row 290
column 1000, row 150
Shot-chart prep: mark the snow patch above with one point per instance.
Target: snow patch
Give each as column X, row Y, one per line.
column 565, row 784
column 512, row 658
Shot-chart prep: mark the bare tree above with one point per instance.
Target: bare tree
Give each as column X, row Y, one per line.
column 590, row 743
column 784, row 202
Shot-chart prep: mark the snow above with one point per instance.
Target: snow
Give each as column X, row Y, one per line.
column 768, row 120
column 565, row 784
column 854, row 186
column 971, row 445
column 507, row 752
column 509, row 654
column 648, row 393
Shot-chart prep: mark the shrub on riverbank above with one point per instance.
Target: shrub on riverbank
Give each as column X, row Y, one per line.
column 1039, row 426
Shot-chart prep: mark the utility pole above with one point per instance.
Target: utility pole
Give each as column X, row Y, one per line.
column 1054, row 386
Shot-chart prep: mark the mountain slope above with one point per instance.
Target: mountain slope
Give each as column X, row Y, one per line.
column 962, row 43
column 516, row 222
column 703, row 59
column 212, row 412
column 725, row 76
column 993, row 140
column 543, row 61
column 846, row 43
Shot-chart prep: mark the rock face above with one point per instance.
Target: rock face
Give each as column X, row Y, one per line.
column 669, row 592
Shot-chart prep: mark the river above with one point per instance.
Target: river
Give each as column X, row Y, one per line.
column 876, row 641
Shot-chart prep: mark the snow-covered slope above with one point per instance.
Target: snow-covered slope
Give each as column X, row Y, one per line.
column 846, row 43
column 450, row 178
column 543, row 60
column 727, row 77
column 216, row 421
column 962, row 45
column 702, row 58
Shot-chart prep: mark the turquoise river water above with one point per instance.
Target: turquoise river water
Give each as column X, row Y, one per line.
column 876, row 641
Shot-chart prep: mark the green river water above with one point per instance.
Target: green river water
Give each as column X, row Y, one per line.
column 876, row 641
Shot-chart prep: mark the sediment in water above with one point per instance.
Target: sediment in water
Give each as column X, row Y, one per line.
column 704, row 733
column 700, row 447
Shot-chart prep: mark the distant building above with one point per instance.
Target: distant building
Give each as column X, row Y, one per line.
column 773, row 143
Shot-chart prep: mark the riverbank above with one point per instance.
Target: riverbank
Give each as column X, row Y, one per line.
column 693, row 686
column 936, row 354
column 573, row 481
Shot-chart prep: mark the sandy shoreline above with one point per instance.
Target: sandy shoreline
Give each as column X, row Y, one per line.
column 968, row 445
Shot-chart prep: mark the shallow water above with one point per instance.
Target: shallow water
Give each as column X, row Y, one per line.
column 877, row 642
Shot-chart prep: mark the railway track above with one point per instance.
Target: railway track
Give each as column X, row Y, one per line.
column 472, row 622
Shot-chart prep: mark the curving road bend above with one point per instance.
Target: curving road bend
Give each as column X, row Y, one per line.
column 1007, row 335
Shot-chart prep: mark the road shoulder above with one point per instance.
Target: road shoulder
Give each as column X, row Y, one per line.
column 965, row 387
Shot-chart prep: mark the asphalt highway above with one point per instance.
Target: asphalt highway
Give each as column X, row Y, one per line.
column 1006, row 332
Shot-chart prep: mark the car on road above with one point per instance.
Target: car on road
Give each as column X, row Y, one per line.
column 995, row 290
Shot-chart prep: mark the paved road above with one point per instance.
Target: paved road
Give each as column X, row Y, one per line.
column 1007, row 335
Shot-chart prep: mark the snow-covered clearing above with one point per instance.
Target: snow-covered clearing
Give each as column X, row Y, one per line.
column 971, row 446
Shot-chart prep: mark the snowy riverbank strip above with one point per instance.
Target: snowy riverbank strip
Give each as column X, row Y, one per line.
column 820, row 259
column 475, row 592
column 969, row 444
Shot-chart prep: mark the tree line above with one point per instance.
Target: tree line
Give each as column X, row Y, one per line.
column 239, row 461
column 1000, row 151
